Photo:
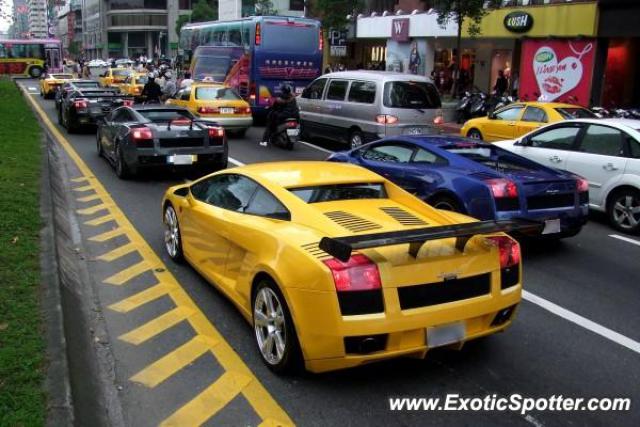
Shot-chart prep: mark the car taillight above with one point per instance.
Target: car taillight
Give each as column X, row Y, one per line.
column 258, row 39
column 242, row 110
column 252, row 92
column 127, row 103
column 320, row 41
column 208, row 110
column 386, row 119
column 216, row 132
column 357, row 274
column 292, row 124
column 583, row 185
column 438, row 120
column 502, row 188
column 141, row 134
column 80, row 104
column 508, row 249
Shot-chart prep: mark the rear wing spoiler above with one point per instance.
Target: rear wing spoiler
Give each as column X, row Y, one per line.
column 342, row 247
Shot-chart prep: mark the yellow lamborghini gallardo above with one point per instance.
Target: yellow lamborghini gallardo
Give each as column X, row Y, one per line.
column 334, row 266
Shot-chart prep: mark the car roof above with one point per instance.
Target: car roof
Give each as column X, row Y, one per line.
column 376, row 75
column 547, row 104
column 204, row 84
column 307, row 173
column 142, row 107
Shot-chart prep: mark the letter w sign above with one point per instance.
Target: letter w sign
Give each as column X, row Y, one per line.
column 400, row 30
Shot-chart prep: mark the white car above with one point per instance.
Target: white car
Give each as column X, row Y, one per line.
column 604, row 151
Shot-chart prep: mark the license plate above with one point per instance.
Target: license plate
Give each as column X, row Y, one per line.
column 182, row 159
column 414, row 131
column 551, row 226
column 293, row 132
column 452, row 333
column 226, row 111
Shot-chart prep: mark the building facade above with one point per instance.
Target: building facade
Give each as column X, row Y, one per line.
column 130, row 28
column 38, row 24
column 229, row 10
column 20, row 27
column 69, row 28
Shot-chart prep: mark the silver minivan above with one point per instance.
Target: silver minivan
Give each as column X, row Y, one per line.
column 360, row 106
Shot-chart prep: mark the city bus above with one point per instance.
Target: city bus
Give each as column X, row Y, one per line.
column 261, row 53
column 30, row 57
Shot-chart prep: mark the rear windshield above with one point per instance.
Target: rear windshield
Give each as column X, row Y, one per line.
column 417, row 95
column 290, row 37
column 216, row 93
column 489, row 155
column 575, row 113
column 62, row 76
column 121, row 73
column 165, row 116
column 216, row 67
column 331, row 193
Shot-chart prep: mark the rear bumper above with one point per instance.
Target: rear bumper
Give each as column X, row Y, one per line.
column 230, row 123
column 158, row 157
column 323, row 343
column 570, row 218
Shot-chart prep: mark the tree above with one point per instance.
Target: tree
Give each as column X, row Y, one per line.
column 204, row 11
column 459, row 11
column 334, row 12
column 264, row 8
column 182, row 19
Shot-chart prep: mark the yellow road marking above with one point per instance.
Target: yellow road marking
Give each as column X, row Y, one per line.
column 88, row 198
column 155, row 326
column 92, row 209
column 83, row 188
column 141, row 298
column 108, row 235
column 171, row 363
column 127, row 274
column 80, row 179
column 118, row 252
column 100, row 220
column 262, row 402
column 210, row 401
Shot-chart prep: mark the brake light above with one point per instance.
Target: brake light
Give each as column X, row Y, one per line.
column 386, row 119
column 357, row 274
column 252, row 92
column 503, row 188
column 258, row 39
column 320, row 41
column 141, row 134
column 583, row 185
column 215, row 132
column 208, row 110
column 438, row 120
column 242, row 110
column 509, row 250
column 127, row 103
column 80, row 104
column 292, row 124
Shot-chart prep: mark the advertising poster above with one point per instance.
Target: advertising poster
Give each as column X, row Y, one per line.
column 557, row 70
column 407, row 57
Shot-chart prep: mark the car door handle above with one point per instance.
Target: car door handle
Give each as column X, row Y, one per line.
column 609, row 167
column 555, row 159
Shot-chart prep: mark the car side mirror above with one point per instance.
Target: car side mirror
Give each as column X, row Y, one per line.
column 492, row 116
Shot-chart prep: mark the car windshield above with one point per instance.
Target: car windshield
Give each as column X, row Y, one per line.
column 335, row 192
column 165, row 115
column 489, row 155
column 417, row 95
column 575, row 113
column 216, row 93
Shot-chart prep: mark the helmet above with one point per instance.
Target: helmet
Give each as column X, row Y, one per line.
column 168, row 74
column 152, row 76
column 285, row 89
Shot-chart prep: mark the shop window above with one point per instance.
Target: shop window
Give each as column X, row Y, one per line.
column 184, row 4
column 337, row 90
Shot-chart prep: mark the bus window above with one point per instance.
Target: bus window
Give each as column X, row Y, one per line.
column 3, row 51
column 235, row 36
column 220, row 34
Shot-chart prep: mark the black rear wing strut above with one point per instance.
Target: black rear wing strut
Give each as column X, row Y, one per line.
column 341, row 247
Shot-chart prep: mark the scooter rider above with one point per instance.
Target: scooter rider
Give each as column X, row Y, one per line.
column 151, row 91
column 169, row 90
column 284, row 107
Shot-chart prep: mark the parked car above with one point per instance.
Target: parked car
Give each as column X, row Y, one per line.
column 605, row 151
column 153, row 136
column 360, row 106
column 478, row 179
column 50, row 82
column 85, row 107
column 514, row 120
column 335, row 266
column 217, row 103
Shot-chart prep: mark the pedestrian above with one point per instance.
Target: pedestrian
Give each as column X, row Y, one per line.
column 501, row 84
column 327, row 69
column 515, row 84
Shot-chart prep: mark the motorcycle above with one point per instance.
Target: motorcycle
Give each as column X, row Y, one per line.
column 462, row 109
column 286, row 134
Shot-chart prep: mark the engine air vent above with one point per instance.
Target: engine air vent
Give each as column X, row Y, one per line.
column 315, row 251
column 351, row 222
column 402, row 216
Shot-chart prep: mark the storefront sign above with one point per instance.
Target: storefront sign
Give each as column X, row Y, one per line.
column 557, row 70
column 337, row 42
column 400, row 30
column 518, row 22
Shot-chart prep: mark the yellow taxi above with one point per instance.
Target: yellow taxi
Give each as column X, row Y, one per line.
column 517, row 119
column 50, row 83
column 335, row 266
column 134, row 84
column 217, row 103
column 114, row 76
